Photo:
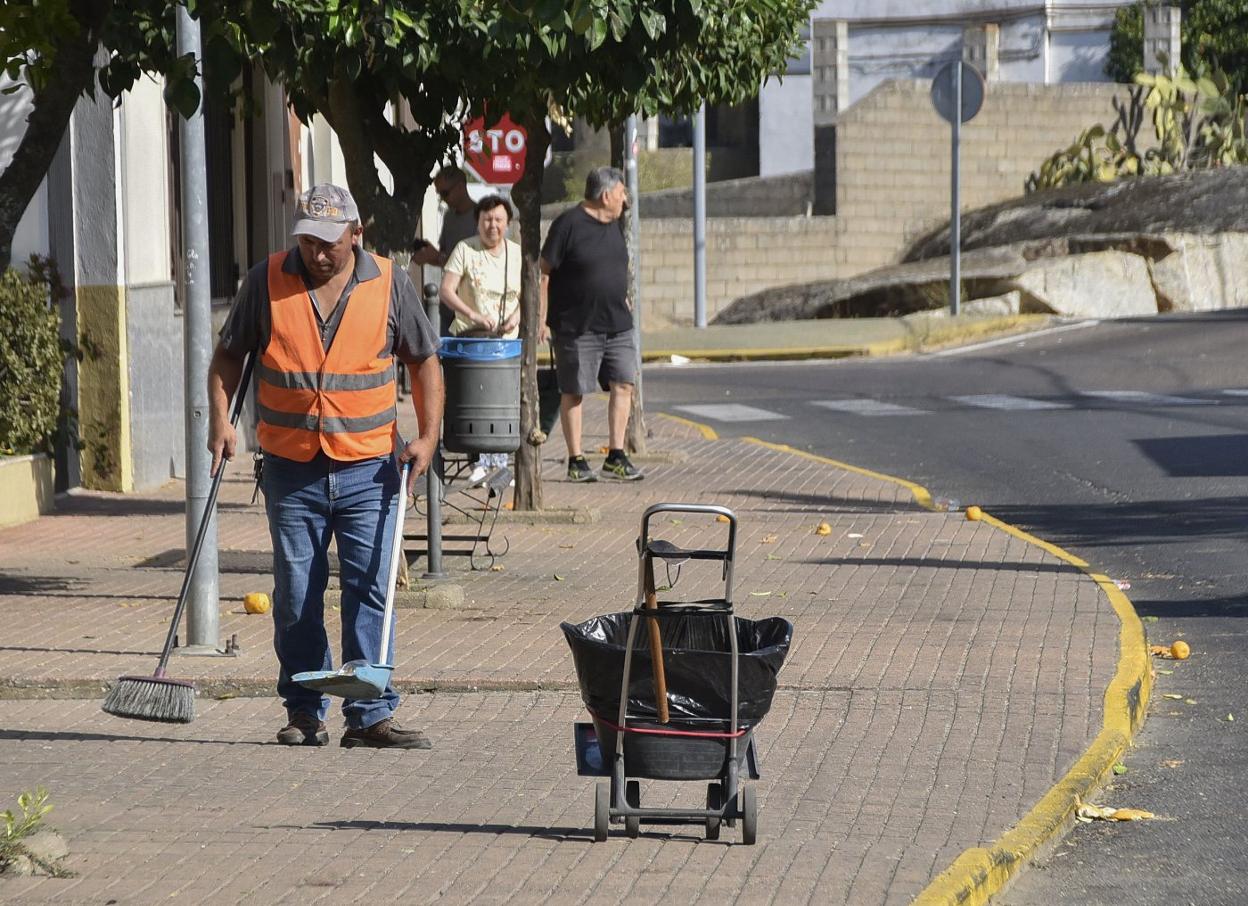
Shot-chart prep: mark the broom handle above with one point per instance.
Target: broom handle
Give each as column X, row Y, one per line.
column 656, row 644
column 239, row 395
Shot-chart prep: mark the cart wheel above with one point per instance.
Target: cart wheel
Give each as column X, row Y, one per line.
column 714, row 802
column 602, row 810
column 632, row 795
column 749, row 816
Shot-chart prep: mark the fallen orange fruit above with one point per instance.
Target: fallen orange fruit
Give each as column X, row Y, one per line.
column 1180, row 650
column 974, row 513
column 256, row 602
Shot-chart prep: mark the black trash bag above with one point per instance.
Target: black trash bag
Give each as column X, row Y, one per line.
column 697, row 662
column 548, row 400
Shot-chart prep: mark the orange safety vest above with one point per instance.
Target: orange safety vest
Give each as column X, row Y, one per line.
column 341, row 400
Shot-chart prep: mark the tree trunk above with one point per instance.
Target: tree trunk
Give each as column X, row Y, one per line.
column 527, row 195
column 364, row 134
column 616, row 133
column 48, row 120
column 635, row 433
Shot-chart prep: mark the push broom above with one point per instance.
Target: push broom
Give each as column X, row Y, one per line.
column 159, row 697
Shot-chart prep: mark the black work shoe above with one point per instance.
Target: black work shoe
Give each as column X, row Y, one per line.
column 579, row 470
column 303, row 730
column 621, row 469
column 385, row 734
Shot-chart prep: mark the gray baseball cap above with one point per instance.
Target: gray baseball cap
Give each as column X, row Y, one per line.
column 324, row 212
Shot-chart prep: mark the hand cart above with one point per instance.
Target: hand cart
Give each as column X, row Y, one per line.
column 671, row 722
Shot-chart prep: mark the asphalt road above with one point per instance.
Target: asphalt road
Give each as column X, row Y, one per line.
column 1125, row 442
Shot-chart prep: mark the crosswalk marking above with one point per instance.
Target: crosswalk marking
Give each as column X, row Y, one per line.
column 1140, row 396
column 732, row 412
column 1004, row 401
column 865, row 406
column 868, row 407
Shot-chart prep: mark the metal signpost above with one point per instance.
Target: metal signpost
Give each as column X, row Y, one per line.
column 433, row 476
column 699, row 217
column 203, row 619
column 957, row 95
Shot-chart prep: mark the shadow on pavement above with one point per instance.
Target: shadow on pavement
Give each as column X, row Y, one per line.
column 73, row 736
column 1199, row 456
column 29, row 649
column 1227, row 606
column 82, row 505
column 950, row 563
column 830, row 503
column 550, row 833
column 1080, row 525
column 36, row 585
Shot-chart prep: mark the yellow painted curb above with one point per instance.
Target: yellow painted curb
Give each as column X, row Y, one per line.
column 981, row 872
column 769, row 353
column 707, row 432
column 932, row 333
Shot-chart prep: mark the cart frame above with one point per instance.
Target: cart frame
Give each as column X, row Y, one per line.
column 728, row 800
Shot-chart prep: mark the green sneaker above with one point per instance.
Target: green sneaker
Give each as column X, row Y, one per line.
column 579, row 470
column 621, row 469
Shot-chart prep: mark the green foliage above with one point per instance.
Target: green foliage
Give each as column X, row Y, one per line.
column 138, row 35
column 31, row 364
column 1215, row 31
column 447, row 59
column 1198, row 123
column 32, row 808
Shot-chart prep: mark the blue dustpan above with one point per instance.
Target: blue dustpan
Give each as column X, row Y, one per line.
column 360, row 679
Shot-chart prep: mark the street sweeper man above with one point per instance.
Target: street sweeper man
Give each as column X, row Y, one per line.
column 326, row 321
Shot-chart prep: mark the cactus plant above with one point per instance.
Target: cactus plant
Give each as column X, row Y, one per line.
column 1197, row 120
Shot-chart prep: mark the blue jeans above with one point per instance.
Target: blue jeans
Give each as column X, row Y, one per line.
column 307, row 504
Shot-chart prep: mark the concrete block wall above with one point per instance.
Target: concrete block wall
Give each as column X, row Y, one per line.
column 893, row 156
column 743, row 255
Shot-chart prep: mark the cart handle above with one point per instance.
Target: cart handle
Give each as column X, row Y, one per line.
column 729, row 551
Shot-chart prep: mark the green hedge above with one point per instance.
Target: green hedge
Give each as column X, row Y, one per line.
column 31, row 364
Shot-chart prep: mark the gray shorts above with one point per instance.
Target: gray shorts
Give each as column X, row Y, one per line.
column 590, row 361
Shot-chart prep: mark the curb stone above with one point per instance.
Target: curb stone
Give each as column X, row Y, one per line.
column 982, row 872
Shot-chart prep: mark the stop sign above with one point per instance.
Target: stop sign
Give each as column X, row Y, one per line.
column 496, row 154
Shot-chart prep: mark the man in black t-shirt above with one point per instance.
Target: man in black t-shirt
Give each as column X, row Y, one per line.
column 586, row 308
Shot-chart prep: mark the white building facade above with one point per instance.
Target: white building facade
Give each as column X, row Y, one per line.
column 1038, row 42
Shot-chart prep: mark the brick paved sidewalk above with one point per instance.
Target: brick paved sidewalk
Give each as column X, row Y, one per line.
column 943, row 676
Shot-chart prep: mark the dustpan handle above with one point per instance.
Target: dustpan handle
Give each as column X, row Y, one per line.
column 396, row 552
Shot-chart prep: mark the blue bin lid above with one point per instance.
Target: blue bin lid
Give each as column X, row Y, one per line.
column 479, row 349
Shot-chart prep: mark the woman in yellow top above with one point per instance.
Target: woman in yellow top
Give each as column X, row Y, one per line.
column 481, row 285
column 481, row 279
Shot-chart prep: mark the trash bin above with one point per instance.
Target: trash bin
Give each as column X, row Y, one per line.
column 482, row 376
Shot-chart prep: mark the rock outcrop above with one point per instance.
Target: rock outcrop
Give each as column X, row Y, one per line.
column 1176, row 243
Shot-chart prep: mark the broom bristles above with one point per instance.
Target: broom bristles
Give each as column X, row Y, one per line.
column 152, row 698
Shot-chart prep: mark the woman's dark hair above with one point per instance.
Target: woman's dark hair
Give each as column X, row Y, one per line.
column 489, row 203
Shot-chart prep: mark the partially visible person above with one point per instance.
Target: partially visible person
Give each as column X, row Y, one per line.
column 586, row 309
column 481, row 279
column 481, row 285
column 327, row 322
column 459, row 222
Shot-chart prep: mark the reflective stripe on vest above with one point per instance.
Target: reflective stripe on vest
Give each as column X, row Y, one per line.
column 340, row 401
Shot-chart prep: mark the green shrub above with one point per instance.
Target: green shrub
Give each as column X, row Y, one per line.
column 31, row 364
